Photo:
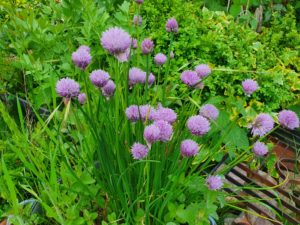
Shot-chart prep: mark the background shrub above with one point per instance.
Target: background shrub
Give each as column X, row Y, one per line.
column 237, row 51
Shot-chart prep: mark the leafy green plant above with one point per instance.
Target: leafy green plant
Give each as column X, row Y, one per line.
column 254, row 13
column 35, row 49
column 235, row 52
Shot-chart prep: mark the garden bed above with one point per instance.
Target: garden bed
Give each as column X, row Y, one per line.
column 284, row 195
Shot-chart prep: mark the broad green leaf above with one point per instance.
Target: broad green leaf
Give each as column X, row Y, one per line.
column 237, row 138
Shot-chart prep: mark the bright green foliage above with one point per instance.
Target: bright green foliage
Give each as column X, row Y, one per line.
column 235, row 51
column 248, row 11
column 38, row 54
column 36, row 50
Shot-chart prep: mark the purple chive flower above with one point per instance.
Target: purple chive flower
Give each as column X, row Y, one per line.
column 137, row 20
column 209, row 111
column 147, row 46
column 123, row 57
column 160, row 59
column 117, row 42
column 134, row 44
column 151, row 133
column 189, row 148
column 288, row 119
column 165, row 114
column 81, row 57
column 198, row 125
column 99, row 78
column 146, row 112
column 151, row 79
column 260, row 149
column 190, row 78
column 84, row 47
column 139, row 151
column 249, row 86
column 136, row 76
column 82, row 98
column 166, row 130
column 67, row 88
column 132, row 113
column 172, row 25
column 139, row 1
column 262, row 124
column 214, row 182
column 109, row 89
column 171, row 55
column 202, row 70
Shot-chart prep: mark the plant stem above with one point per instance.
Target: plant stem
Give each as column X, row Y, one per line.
column 87, row 93
column 147, row 168
column 158, row 76
column 168, row 69
column 147, row 77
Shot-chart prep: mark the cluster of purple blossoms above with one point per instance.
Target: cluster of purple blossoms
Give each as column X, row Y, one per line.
column 151, row 133
column 161, row 129
column 147, row 46
column 147, row 112
column 134, row 43
column 288, row 119
column 67, row 88
column 172, row 25
column 260, row 149
column 117, row 42
column 109, row 89
column 262, row 124
column 165, row 114
column 82, row 57
column 166, row 130
column 158, row 131
column 209, row 111
column 81, row 98
column 189, row 148
column 137, row 76
column 137, row 20
column 249, row 86
column 202, row 70
column 101, row 79
column 193, row 78
column 214, row 182
column 160, row 59
column 143, row 112
column 190, row 78
column 151, row 79
column 198, row 125
column 139, row 151
column 132, row 113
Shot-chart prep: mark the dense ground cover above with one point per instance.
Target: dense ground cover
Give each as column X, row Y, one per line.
column 137, row 146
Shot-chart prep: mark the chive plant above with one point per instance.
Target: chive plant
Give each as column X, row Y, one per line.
column 146, row 155
column 144, row 149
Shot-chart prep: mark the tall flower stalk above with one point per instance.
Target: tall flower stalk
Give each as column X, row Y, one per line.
column 172, row 27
